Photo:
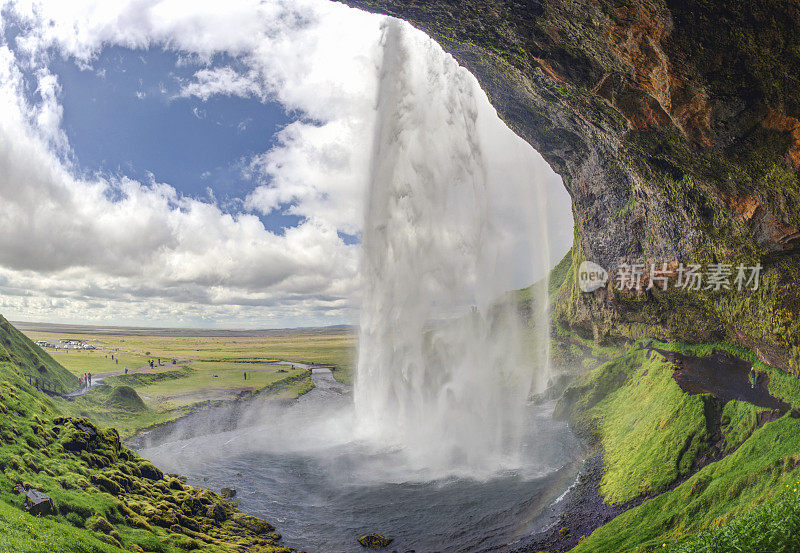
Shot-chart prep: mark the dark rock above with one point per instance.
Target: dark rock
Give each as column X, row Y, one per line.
column 38, row 503
column 87, row 429
column 375, row 541
column 228, row 493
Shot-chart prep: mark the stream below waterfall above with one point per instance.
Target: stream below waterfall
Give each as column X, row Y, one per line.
column 301, row 470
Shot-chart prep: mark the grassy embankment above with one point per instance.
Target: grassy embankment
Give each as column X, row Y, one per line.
column 652, row 434
column 209, row 372
column 105, row 497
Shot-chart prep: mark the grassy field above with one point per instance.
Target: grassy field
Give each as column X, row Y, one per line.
column 202, row 381
column 336, row 348
column 207, row 372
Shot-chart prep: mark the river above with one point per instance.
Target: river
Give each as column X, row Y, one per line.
column 300, row 469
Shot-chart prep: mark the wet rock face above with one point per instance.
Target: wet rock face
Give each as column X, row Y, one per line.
column 675, row 124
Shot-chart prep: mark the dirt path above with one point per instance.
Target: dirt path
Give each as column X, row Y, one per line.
column 96, row 381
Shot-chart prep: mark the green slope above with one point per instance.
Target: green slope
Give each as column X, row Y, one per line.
column 105, row 496
column 652, row 432
column 28, row 358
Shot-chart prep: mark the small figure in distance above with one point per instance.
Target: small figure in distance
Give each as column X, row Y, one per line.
column 753, row 377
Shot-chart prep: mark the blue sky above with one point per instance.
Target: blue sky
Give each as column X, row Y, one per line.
column 125, row 115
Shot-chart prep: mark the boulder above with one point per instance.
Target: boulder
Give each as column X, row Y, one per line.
column 375, row 541
column 228, row 493
column 38, row 503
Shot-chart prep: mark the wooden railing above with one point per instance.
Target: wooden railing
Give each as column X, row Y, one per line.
column 46, row 386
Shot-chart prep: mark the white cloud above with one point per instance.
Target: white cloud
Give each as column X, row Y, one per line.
column 224, row 81
column 113, row 249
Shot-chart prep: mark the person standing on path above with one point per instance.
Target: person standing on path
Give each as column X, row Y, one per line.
column 89, row 375
column 753, row 376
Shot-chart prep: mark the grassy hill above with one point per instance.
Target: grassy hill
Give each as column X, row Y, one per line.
column 27, row 358
column 105, row 498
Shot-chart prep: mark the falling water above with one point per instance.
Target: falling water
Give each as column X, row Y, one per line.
column 445, row 360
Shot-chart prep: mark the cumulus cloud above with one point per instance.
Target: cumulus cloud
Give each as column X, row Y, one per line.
column 108, row 248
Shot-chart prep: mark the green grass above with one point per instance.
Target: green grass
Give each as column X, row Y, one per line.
column 176, row 390
column 651, row 430
column 739, row 420
column 210, row 371
column 97, row 361
column 147, row 378
column 23, row 533
column 137, row 401
column 773, row 527
column 756, row 473
column 211, row 380
column 28, row 358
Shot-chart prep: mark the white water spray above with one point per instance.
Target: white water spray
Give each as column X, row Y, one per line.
column 444, row 366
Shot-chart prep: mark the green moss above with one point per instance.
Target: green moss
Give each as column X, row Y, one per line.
column 739, row 420
column 625, row 209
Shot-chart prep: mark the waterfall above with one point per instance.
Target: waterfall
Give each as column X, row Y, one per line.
column 445, row 359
